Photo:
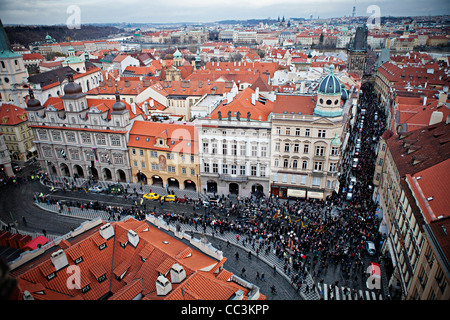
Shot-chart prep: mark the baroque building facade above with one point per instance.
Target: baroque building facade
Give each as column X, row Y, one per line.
column 309, row 133
column 82, row 138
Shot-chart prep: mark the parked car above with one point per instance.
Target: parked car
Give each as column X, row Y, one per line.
column 115, row 189
column 17, row 168
column 168, row 198
column 96, row 189
column 355, row 163
column 370, row 247
column 349, row 196
column 151, row 196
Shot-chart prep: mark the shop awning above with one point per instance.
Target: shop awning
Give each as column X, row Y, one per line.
column 315, row 195
column 299, row 193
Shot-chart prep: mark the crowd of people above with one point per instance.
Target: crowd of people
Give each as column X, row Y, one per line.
column 307, row 235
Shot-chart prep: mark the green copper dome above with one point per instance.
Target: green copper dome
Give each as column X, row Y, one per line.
column 330, row 84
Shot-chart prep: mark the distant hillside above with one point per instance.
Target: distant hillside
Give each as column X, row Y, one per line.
column 26, row 35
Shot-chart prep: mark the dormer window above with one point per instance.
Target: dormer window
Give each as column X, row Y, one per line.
column 160, row 142
column 78, row 260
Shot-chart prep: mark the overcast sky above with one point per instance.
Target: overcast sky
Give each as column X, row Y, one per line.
column 163, row 11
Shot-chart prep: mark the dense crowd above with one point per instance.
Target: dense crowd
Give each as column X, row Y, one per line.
column 307, row 235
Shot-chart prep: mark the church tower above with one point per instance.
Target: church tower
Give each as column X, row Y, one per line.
column 357, row 51
column 12, row 72
column 177, row 59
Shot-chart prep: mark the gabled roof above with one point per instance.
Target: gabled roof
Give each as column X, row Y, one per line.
column 242, row 103
column 55, row 77
column 12, row 115
column 180, row 138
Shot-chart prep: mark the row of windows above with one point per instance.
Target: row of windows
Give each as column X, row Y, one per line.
column 75, row 154
column 234, row 169
column 319, row 151
column 301, row 180
column 169, row 156
column 156, row 167
column 317, row 165
column 86, row 138
column 321, row 133
column 233, row 151
column 233, row 133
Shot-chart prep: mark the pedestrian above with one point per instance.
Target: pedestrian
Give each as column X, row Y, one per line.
column 263, row 277
column 274, row 269
column 237, row 255
column 24, row 221
column 243, row 271
column 257, row 275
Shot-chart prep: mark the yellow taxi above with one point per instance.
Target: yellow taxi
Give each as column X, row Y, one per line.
column 168, row 198
column 151, row 196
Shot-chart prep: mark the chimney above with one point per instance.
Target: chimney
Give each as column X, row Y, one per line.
column 257, row 92
column 133, row 238
column 443, row 98
column 133, row 108
column 425, row 100
column 145, row 107
column 59, row 259
column 253, row 98
column 127, row 83
column 27, row 295
column 163, row 286
column 106, row 231
column 146, row 83
column 177, row 273
column 436, row 117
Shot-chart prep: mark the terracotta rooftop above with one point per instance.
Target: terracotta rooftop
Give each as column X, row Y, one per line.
column 11, row 115
column 431, row 190
column 288, row 104
column 242, row 103
column 430, row 146
column 179, row 138
column 134, row 268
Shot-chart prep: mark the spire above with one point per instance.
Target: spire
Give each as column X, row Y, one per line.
column 5, row 47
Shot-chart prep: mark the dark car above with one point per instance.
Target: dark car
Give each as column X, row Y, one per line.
column 115, row 189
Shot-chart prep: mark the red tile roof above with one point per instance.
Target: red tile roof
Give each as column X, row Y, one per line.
column 33, row 56
column 11, row 115
column 430, row 187
column 294, row 104
column 99, row 257
column 180, row 138
column 242, row 103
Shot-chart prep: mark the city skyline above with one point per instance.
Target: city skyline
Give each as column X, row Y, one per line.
column 50, row 12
